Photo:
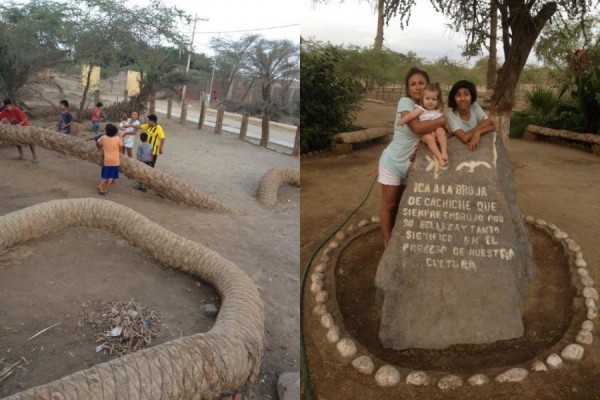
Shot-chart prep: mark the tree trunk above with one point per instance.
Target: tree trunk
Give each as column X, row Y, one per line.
column 85, row 90
column 524, row 30
column 492, row 59
column 378, row 45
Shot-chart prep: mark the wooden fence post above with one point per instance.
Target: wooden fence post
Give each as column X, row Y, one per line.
column 264, row 138
column 296, row 149
column 202, row 114
column 244, row 126
column 219, row 123
column 169, row 107
column 183, row 116
column 152, row 103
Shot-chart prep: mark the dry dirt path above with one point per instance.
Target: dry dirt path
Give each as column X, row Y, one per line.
column 68, row 273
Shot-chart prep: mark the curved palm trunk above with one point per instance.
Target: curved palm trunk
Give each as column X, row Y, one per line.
column 168, row 186
column 195, row 367
column 270, row 182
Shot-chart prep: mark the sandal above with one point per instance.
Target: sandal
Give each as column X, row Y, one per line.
column 101, row 191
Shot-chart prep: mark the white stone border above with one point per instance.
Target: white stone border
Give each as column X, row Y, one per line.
column 389, row 376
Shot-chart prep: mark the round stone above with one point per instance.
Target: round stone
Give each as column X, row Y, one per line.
column 590, row 293
column 316, row 276
column 327, row 321
column 362, row 223
column 450, row 382
column 584, row 337
column 320, row 267
column 346, row 347
column 387, row 376
column 574, row 247
column 320, row 309
column 580, row 263
column 583, row 272
column 538, row 366
column 587, row 325
column 512, row 375
column 321, row 297
column 590, row 304
column 375, row 218
column 554, row 361
column 573, row 352
column 553, row 227
column 560, row 234
column 592, row 314
column 541, row 223
column 530, row 219
column 333, row 334
column 579, row 255
column 350, row 229
column 340, row 236
column 325, row 258
column 478, row 380
column 418, row 378
column 333, row 245
column 587, row 281
column 316, row 286
column 364, row 365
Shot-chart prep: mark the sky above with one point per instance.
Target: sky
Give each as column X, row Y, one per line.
column 227, row 16
column 355, row 22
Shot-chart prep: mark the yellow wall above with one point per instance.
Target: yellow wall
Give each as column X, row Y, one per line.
column 94, row 78
column 133, row 82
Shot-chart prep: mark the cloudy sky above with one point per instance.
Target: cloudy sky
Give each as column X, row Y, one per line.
column 355, row 22
column 273, row 19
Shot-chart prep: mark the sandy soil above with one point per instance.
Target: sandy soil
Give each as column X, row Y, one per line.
column 63, row 276
column 555, row 183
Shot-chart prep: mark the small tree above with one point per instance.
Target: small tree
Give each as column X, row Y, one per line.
column 329, row 99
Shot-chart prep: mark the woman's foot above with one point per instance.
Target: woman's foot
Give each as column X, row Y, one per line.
column 101, row 190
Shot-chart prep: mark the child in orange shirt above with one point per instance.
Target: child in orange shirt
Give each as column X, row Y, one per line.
column 110, row 144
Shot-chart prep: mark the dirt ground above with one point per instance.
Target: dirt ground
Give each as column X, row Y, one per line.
column 556, row 183
column 62, row 277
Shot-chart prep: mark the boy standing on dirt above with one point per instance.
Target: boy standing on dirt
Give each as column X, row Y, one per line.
column 110, row 144
column 65, row 118
column 15, row 116
column 96, row 113
column 144, row 154
column 156, row 137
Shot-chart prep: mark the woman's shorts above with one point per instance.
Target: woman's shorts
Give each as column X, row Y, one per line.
column 110, row 173
column 386, row 177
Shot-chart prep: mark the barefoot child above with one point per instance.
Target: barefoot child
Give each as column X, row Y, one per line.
column 431, row 107
column 96, row 115
column 110, row 144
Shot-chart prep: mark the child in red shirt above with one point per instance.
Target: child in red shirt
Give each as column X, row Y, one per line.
column 96, row 113
column 14, row 116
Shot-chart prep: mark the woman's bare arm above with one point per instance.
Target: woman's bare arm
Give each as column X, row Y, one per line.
column 423, row 127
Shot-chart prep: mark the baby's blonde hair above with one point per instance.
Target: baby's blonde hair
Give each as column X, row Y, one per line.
column 434, row 87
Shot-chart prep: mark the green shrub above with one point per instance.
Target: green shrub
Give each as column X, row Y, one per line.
column 330, row 99
column 543, row 109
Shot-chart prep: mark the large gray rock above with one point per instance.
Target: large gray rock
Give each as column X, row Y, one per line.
column 459, row 262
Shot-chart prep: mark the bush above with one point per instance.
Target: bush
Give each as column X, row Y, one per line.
column 330, row 100
column 543, row 110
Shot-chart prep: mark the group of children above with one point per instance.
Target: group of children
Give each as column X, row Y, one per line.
column 120, row 139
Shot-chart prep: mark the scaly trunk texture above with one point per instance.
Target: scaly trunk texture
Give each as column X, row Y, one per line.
column 270, row 182
column 195, row 367
column 168, row 186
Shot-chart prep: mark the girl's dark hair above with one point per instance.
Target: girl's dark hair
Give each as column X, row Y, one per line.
column 111, row 130
column 434, row 87
column 470, row 86
column 414, row 71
